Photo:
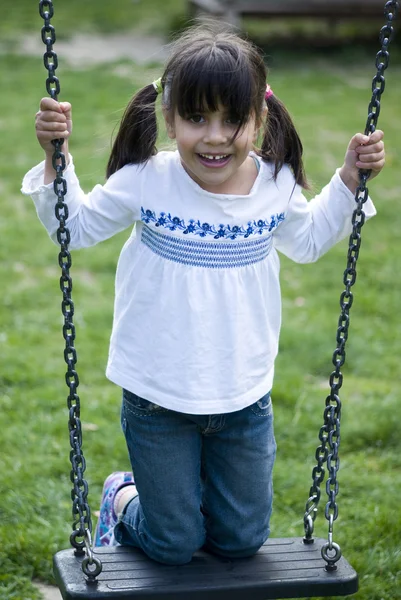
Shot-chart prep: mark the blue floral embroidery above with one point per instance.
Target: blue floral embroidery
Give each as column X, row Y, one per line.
column 174, row 223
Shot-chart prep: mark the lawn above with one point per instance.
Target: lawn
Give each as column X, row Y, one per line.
column 328, row 98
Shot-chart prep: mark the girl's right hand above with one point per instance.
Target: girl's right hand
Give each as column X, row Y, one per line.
column 53, row 121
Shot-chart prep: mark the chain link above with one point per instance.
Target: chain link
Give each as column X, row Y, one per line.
column 80, row 538
column 329, row 434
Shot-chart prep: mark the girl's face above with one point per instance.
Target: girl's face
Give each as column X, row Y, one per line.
column 208, row 152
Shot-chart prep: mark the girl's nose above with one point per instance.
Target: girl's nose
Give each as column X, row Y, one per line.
column 215, row 134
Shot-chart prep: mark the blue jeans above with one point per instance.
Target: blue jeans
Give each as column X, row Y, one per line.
column 203, row 481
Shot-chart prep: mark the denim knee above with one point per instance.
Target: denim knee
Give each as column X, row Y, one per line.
column 175, row 549
column 238, row 544
column 173, row 555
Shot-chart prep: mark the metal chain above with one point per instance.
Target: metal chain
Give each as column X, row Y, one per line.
column 329, row 434
column 80, row 538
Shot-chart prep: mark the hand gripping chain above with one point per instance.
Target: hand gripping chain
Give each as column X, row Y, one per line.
column 81, row 538
column 329, row 434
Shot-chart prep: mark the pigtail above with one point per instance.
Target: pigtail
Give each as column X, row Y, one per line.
column 137, row 134
column 281, row 143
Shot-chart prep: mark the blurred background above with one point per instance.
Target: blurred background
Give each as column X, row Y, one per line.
column 321, row 59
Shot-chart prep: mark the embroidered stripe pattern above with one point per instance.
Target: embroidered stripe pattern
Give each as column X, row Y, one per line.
column 256, row 227
column 212, row 255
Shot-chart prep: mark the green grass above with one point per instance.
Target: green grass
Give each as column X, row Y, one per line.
column 329, row 104
column 155, row 16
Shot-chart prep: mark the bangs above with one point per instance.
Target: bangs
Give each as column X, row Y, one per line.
column 213, row 78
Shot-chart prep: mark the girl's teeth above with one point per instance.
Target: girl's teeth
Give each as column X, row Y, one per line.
column 210, row 157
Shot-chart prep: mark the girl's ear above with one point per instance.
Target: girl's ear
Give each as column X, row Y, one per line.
column 169, row 123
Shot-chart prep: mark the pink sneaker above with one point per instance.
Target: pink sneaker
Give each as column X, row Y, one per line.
column 104, row 534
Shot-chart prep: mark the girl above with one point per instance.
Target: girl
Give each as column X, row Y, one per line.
column 197, row 306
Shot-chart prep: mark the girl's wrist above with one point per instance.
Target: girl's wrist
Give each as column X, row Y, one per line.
column 64, row 150
column 49, row 172
column 348, row 179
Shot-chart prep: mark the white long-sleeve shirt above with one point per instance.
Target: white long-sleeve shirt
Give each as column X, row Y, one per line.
column 197, row 301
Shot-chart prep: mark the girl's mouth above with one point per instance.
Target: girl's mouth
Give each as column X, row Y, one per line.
column 214, row 160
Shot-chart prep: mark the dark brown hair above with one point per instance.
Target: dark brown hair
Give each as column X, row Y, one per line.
column 210, row 66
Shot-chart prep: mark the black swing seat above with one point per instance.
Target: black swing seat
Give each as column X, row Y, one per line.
column 283, row 568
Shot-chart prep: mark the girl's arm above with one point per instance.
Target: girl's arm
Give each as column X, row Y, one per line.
column 92, row 217
column 311, row 228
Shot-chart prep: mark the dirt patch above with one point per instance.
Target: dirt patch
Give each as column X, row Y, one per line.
column 88, row 50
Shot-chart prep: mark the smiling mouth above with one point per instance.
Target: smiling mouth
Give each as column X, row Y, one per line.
column 214, row 160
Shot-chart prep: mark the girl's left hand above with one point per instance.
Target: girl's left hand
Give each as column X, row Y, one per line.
column 363, row 152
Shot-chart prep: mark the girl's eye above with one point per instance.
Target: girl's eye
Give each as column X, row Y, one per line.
column 233, row 121
column 196, row 119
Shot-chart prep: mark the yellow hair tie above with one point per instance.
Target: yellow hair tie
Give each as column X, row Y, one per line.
column 158, row 85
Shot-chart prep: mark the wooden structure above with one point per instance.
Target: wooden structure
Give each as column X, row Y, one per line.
column 333, row 10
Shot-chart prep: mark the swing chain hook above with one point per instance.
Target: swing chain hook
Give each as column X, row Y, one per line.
column 329, row 434
column 91, row 565
column 82, row 524
column 330, row 547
